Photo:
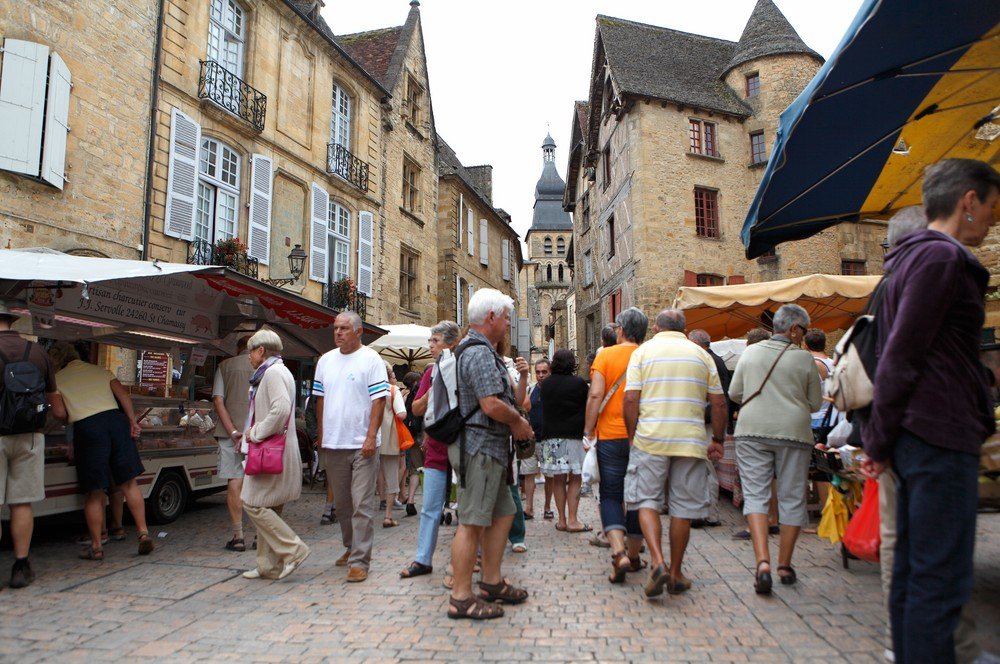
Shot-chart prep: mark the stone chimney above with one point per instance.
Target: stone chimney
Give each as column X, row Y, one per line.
column 482, row 180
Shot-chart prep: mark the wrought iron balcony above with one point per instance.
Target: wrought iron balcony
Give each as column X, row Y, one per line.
column 203, row 252
column 340, row 161
column 346, row 299
column 225, row 89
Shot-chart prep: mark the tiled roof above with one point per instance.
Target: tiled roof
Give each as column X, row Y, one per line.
column 374, row 50
column 449, row 164
column 768, row 32
column 581, row 108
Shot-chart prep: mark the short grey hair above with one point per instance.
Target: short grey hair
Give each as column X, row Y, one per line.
column 449, row 331
column 634, row 324
column 700, row 337
column 266, row 339
column 485, row 300
column 355, row 319
column 671, row 320
column 789, row 315
column 908, row 220
column 949, row 179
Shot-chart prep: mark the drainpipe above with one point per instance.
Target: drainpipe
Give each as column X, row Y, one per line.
column 154, row 101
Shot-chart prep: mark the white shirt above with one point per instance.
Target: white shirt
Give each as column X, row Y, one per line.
column 348, row 384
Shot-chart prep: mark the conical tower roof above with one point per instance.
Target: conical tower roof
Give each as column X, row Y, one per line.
column 549, row 214
column 767, row 32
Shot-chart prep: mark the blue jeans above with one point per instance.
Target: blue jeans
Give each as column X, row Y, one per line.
column 612, row 462
column 431, row 507
column 517, row 529
column 936, row 500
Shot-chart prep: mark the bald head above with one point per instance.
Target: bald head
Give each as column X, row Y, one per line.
column 670, row 320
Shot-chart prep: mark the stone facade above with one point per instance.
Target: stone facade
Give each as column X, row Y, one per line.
column 108, row 50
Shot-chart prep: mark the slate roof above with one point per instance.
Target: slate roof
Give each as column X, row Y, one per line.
column 767, row 32
column 549, row 213
column 373, row 49
column 682, row 67
column 448, row 164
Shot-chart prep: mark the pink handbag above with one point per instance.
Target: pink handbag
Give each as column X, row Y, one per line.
column 264, row 458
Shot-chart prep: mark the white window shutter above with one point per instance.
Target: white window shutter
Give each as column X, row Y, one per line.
column 259, row 232
column 182, row 176
column 471, row 239
column 318, row 249
column 22, row 105
column 459, row 313
column 505, row 266
column 56, row 123
column 472, row 291
column 366, row 243
column 461, row 203
column 484, row 243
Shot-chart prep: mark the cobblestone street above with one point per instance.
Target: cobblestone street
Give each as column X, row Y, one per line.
column 188, row 602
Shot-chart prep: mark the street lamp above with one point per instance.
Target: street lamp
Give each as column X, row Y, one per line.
column 296, row 263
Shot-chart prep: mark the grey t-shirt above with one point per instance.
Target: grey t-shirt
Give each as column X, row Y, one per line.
column 481, row 373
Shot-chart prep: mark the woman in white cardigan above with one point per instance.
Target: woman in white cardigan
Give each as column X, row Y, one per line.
column 272, row 396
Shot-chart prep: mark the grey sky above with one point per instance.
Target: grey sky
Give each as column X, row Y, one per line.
column 504, row 73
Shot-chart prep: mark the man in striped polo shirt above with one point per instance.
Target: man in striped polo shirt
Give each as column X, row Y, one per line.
column 669, row 379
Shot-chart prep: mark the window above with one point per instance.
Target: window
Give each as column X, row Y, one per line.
column 588, row 268
column 407, row 279
column 606, row 159
column 702, row 137
column 611, row 236
column 547, row 246
column 562, row 276
column 414, row 96
column 706, row 212
column 339, row 231
column 561, row 246
column 585, row 222
column 411, row 194
column 709, row 280
column 753, row 84
column 856, row 268
column 471, row 235
column 226, row 35
column 505, row 257
column 484, row 243
column 758, row 153
column 615, row 304
column 218, row 202
column 769, row 256
column 548, row 273
column 340, row 120
column 608, row 95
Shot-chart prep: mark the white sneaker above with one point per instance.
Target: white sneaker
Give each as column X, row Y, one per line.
column 251, row 574
column 396, row 505
column 294, row 565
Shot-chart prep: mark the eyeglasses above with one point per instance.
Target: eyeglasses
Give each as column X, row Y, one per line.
column 801, row 327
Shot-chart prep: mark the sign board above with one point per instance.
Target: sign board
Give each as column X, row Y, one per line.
column 198, row 356
column 155, row 367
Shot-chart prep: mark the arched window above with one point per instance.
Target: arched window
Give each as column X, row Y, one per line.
column 547, row 246
column 217, row 215
column 340, row 119
column 227, row 35
column 560, row 272
column 561, row 246
column 548, row 273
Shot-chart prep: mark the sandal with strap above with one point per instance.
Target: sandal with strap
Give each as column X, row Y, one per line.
column 91, row 554
column 657, row 579
column 787, row 579
column 389, row 523
column 762, row 582
column 415, row 569
column 617, row 571
column 145, row 544
column 502, row 592
column 637, row 564
column 473, row 608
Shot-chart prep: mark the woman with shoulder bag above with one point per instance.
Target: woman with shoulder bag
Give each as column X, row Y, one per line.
column 389, row 452
column 265, row 492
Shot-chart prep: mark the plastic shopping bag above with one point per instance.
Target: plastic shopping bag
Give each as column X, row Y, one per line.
column 834, row 519
column 590, row 473
column 863, row 535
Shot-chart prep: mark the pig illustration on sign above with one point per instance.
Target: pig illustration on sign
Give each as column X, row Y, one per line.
column 202, row 323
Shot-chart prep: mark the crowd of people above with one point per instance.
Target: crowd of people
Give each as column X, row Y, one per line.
column 658, row 411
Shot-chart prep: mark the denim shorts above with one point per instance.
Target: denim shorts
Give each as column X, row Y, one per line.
column 104, row 449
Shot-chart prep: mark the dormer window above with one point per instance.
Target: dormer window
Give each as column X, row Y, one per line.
column 414, row 97
column 608, row 96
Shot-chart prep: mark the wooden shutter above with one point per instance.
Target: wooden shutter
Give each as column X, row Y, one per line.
column 459, row 313
column 484, row 243
column 736, row 279
column 690, row 278
column 366, row 243
column 461, row 203
column 470, row 240
column 22, row 105
column 56, row 123
column 505, row 267
column 182, row 176
column 318, row 241
column 259, row 235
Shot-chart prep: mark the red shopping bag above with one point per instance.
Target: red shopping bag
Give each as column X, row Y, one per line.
column 863, row 536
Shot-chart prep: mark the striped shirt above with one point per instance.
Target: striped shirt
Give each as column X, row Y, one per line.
column 348, row 384
column 674, row 377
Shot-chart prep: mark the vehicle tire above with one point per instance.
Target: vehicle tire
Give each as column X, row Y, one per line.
column 168, row 498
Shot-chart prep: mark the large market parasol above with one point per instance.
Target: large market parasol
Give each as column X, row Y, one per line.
column 833, row 302
column 912, row 82
column 404, row 343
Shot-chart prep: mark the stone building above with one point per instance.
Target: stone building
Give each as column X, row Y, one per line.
column 667, row 153
column 547, row 274
column 75, row 83
column 477, row 247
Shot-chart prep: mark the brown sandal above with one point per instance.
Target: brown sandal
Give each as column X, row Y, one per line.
column 473, row 608
column 145, row 544
column 91, row 554
column 389, row 523
column 617, row 571
column 637, row 564
column 502, row 592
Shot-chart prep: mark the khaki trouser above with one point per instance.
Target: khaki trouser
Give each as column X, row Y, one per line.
column 353, row 478
column 277, row 544
column 966, row 647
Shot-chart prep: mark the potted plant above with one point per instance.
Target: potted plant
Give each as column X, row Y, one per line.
column 229, row 252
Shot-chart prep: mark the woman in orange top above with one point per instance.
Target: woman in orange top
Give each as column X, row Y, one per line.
column 608, row 377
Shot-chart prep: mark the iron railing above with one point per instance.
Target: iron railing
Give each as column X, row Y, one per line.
column 341, row 161
column 203, row 252
column 225, row 89
column 347, row 301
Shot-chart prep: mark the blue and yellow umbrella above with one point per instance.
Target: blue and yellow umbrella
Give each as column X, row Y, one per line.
column 912, row 82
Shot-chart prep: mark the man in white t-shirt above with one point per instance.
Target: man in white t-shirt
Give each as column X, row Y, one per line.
column 350, row 388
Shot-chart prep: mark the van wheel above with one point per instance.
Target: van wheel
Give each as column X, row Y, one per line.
column 168, row 498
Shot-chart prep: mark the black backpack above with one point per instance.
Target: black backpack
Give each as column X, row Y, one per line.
column 23, row 404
